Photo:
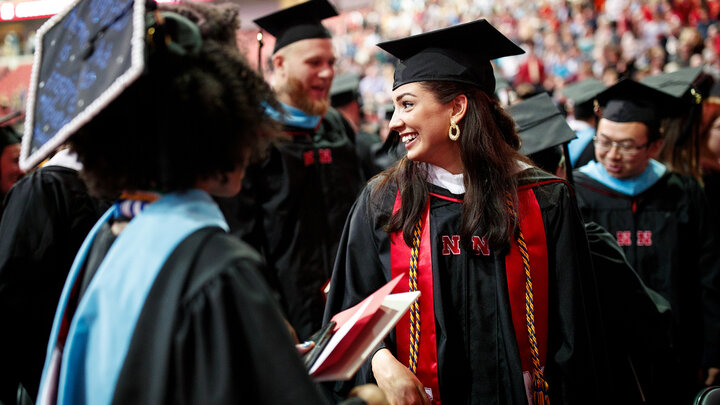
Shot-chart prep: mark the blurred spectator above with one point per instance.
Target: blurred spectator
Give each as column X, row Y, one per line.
column 532, row 71
column 10, row 172
column 572, row 41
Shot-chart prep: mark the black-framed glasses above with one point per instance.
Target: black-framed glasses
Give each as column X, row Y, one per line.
column 625, row 148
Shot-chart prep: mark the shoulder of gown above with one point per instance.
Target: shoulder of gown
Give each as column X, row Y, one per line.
column 210, row 332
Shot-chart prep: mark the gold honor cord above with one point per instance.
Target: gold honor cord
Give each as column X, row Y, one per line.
column 415, row 308
column 539, row 384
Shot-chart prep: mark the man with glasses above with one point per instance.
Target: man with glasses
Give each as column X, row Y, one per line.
column 661, row 219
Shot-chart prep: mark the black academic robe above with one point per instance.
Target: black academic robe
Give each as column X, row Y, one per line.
column 210, row 332
column 47, row 215
column 636, row 320
column 292, row 208
column 670, row 239
column 478, row 356
column 711, row 181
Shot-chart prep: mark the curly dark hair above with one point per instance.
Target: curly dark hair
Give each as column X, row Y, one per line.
column 188, row 117
column 489, row 152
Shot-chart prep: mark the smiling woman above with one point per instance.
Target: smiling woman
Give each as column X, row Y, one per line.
column 450, row 218
column 427, row 140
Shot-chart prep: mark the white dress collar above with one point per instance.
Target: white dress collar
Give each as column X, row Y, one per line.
column 443, row 178
column 65, row 158
column 454, row 182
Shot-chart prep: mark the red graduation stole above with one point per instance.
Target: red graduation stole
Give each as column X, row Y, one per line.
column 534, row 235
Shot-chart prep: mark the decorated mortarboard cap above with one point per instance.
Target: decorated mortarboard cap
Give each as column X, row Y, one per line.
column 631, row 101
column 85, row 57
column 461, row 53
column 302, row 21
column 344, row 89
column 540, row 124
column 685, row 83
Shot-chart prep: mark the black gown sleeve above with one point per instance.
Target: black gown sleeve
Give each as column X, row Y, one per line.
column 637, row 322
column 213, row 337
column 576, row 365
column 709, row 268
column 355, row 275
column 232, row 346
column 47, row 216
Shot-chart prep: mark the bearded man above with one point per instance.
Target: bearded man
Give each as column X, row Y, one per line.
column 293, row 205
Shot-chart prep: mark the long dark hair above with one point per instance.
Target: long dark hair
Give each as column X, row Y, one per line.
column 489, row 151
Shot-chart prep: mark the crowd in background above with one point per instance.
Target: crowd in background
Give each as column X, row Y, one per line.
column 565, row 41
column 569, row 39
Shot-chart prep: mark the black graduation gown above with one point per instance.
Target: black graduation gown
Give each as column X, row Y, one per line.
column 292, row 208
column 670, row 239
column 637, row 323
column 478, row 358
column 47, row 215
column 711, row 180
column 210, row 332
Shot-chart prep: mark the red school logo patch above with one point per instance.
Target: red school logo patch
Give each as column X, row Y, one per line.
column 643, row 238
column 451, row 245
column 624, row 238
column 308, row 158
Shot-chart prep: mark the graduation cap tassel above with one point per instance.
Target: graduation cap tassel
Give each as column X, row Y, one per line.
column 259, row 55
column 568, row 165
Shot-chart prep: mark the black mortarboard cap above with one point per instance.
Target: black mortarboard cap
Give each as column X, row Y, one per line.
column 540, row 124
column 582, row 94
column 302, row 21
column 631, row 101
column 85, row 57
column 684, row 83
column 344, row 89
column 461, row 53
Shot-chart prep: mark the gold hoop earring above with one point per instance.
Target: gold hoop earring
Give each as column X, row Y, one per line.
column 454, row 131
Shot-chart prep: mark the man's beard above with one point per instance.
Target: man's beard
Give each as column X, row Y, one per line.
column 298, row 93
